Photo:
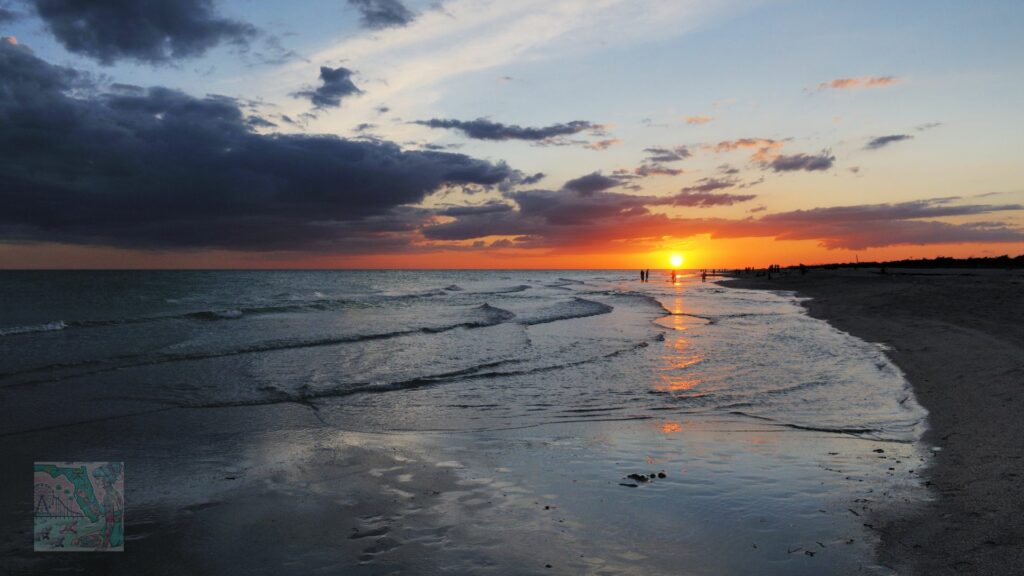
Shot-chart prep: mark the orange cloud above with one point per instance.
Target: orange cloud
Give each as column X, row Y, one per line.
column 765, row 149
column 603, row 144
column 862, row 82
column 699, row 119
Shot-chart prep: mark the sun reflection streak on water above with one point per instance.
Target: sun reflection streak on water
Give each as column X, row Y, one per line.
column 678, row 357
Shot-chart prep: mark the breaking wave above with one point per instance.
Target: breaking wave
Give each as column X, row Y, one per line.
column 33, row 328
column 575, row 308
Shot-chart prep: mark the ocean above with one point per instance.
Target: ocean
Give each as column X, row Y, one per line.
column 766, row 422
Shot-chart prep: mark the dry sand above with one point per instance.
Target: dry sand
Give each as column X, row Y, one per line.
column 959, row 337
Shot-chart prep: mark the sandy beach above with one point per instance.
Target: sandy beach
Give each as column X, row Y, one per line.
column 959, row 337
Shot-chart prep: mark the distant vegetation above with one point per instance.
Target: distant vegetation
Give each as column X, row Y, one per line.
column 1003, row 261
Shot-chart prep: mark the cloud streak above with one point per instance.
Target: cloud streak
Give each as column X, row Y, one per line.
column 883, row 141
column 696, row 120
column 805, row 162
column 861, row 82
column 483, row 129
column 659, row 154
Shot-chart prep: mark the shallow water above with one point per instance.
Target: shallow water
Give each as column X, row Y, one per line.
column 558, row 384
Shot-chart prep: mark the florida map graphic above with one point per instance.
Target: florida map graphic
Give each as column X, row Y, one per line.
column 79, row 506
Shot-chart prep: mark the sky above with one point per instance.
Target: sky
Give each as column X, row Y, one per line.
column 494, row 134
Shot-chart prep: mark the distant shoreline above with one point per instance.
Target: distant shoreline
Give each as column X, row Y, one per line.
column 960, row 341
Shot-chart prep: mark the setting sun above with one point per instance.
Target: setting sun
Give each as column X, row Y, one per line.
column 676, row 260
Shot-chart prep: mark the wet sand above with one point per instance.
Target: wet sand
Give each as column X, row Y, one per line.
column 234, row 497
column 959, row 337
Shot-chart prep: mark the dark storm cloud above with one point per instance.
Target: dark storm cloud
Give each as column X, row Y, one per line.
column 157, row 168
column 143, row 30
column 483, row 129
column 593, row 182
column 883, row 141
column 377, row 14
column 808, row 162
column 336, row 84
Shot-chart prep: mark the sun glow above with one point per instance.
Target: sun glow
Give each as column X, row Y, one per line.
column 676, row 260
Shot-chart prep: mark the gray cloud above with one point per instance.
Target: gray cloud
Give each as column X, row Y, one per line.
column 883, row 141
column 705, row 194
column 483, row 129
column 657, row 155
column 606, row 220
column 377, row 14
column 808, row 162
column 916, row 209
column 708, row 199
column 876, row 225
column 152, row 31
column 488, row 208
column 336, row 85
column 656, row 170
column 175, row 171
column 591, row 183
column 602, row 144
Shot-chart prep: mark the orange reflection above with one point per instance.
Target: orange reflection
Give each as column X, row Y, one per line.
column 676, row 385
column 670, row 427
column 763, row 440
column 677, row 355
column 680, row 362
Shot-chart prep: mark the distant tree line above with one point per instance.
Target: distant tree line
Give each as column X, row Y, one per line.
column 1004, row 261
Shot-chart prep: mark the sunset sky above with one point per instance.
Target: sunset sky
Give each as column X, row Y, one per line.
column 489, row 134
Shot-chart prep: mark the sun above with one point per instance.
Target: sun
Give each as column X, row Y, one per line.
column 676, row 260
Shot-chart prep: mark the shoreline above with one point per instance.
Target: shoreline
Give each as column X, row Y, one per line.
column 958, row 336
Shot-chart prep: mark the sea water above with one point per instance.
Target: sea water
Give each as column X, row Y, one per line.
column 764, row 420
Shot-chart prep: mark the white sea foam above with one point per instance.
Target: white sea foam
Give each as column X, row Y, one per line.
column 48, row 327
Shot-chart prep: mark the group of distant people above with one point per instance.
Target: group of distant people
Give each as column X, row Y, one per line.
column 773, row 269
column 645, row 275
